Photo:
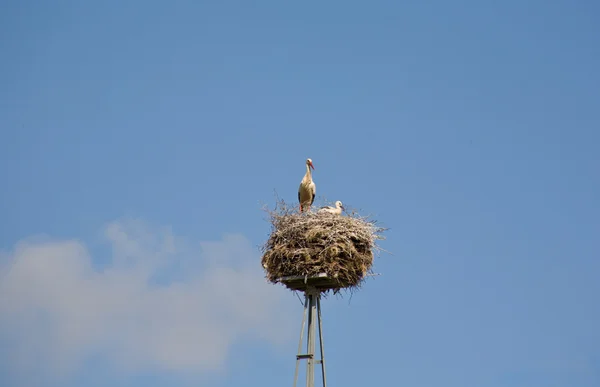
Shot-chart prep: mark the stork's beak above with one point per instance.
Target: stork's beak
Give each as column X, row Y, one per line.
column 312, row 166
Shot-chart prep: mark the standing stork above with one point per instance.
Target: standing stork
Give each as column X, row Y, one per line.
column 307, row 190
column 337, row 210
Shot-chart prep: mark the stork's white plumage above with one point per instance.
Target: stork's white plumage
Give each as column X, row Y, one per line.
column 337, row 210
column 307, row 190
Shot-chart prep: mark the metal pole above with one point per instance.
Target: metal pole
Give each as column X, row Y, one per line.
column 301, row 337
column 310, row 366
column 321, row 340
column 312, row 310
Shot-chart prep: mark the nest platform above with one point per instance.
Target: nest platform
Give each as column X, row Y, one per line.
column 319, row 282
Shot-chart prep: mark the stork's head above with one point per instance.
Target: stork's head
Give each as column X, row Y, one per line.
column 339, row 204
column 309, row 163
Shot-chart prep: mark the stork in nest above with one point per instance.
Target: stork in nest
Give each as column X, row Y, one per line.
column 307, row 190
column 337, row 210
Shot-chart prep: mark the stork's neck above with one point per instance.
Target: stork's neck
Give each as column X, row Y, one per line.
column 308, row 173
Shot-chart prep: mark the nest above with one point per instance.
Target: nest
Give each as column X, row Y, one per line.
column 309, row 244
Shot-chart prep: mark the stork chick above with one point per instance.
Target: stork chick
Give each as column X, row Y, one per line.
column 337, row 210
column 307, row 190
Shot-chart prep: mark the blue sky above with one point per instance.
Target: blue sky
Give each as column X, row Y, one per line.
column 139, row 140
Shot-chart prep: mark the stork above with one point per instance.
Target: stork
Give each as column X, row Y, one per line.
column 307, row 190
column 337, row 210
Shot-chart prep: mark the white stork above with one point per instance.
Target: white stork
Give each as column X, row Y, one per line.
column 307, row 190
column 337, row 210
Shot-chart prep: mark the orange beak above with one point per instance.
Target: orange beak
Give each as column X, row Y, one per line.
column 312, row 166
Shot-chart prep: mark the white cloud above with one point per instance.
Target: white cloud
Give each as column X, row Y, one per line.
column 58, row 306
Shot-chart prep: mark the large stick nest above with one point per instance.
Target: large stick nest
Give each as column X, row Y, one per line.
column 308, row 244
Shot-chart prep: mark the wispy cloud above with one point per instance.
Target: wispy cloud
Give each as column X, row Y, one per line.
column 161, row 302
